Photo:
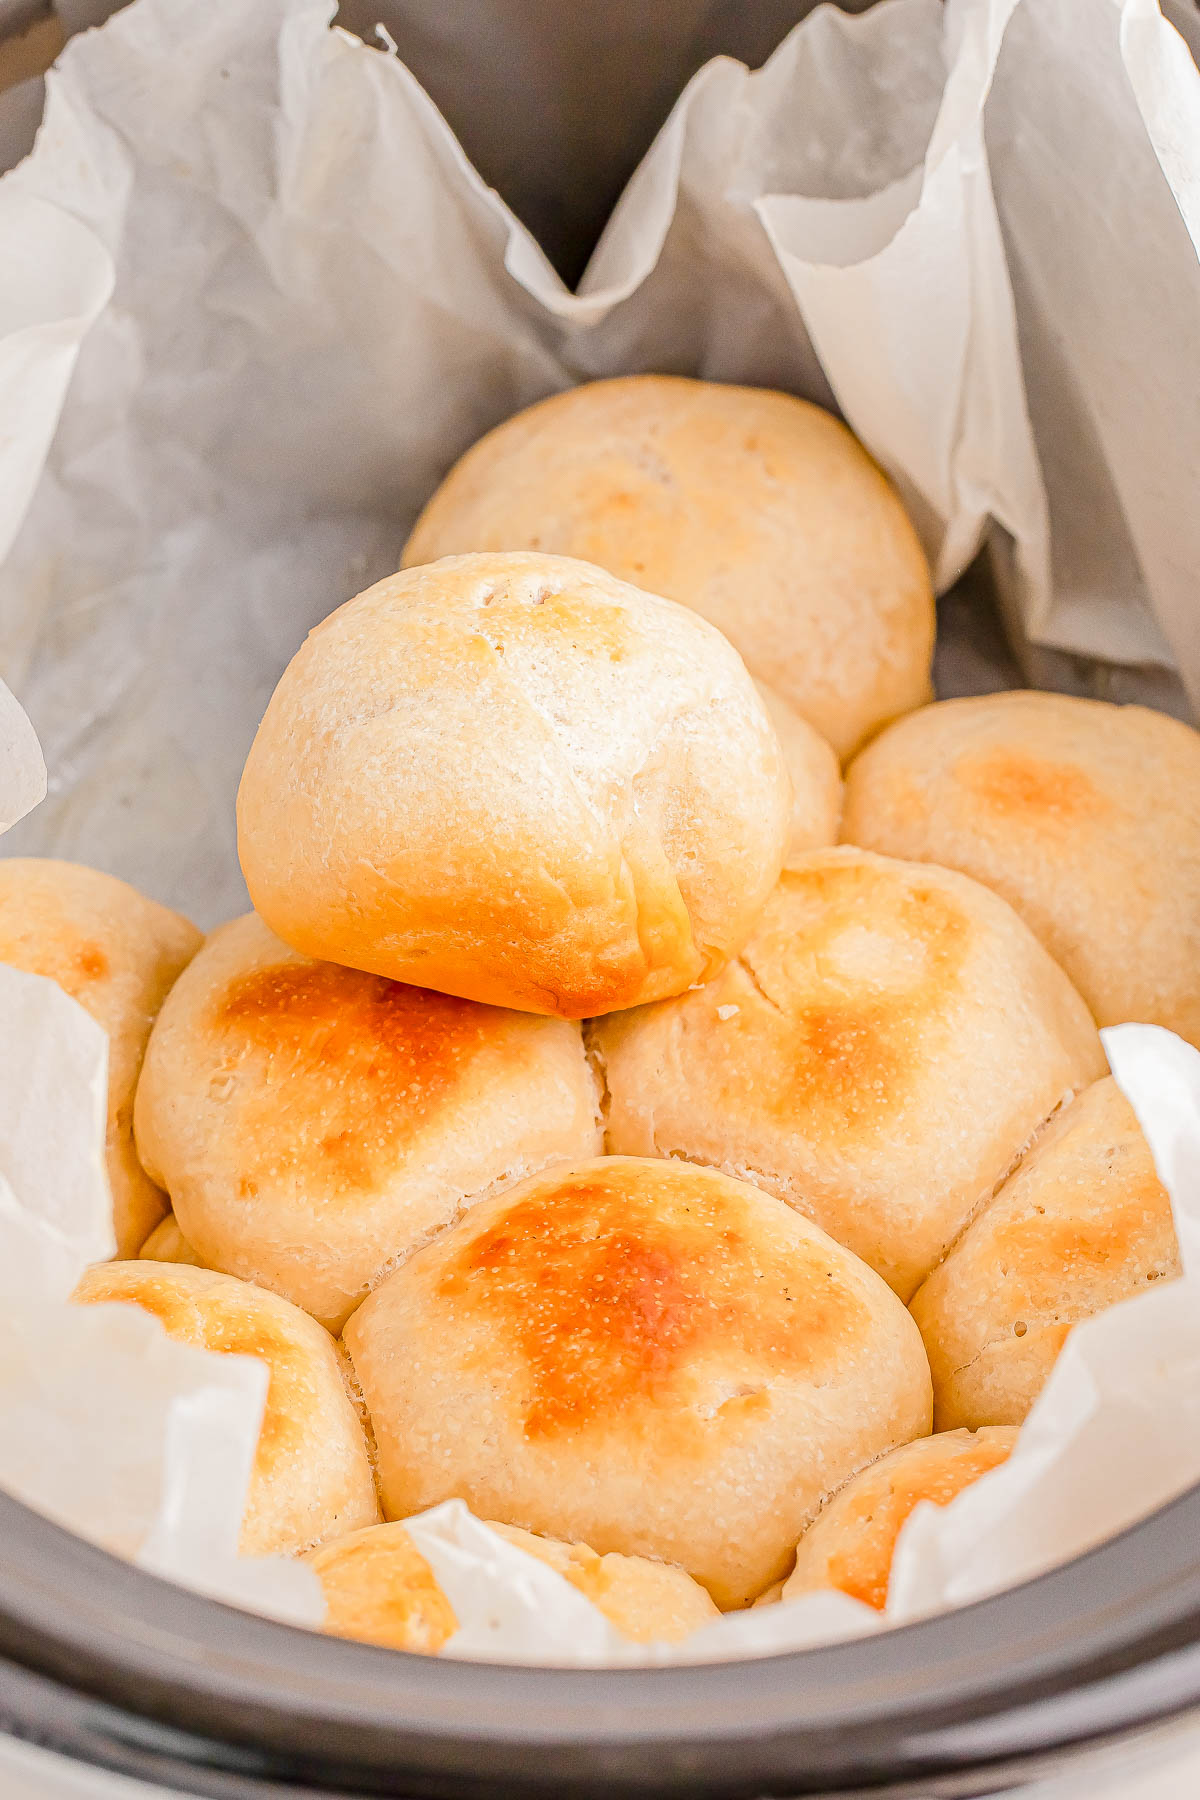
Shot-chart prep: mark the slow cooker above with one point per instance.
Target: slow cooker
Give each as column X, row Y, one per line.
column 1093, row 1667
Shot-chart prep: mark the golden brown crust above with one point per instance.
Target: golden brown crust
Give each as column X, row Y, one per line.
column 515, row 779
column 312, row 1476
column 879, row 1055
column 117, row 954
column 641, row 1355
column 851, row 1542
column 1083, row 815
column 755, row 508
column 1082, row 1223
column 313, row 1123
column 379, row 1589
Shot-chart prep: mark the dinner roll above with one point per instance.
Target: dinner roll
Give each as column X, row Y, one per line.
column 815, row 776
column 650, row 1602
column 757, row 509
column 643, row 1356
column 312, row 1124
column 515, row 779
column 851, row 1542
column 878, row 1056
column 1082, row 1223
column 312, row 1475
column 1085, row 816
column 167, row 1244
column 116, row 953
column 378, row 1587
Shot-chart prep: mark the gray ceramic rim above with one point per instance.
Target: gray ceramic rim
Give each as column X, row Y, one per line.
column 115, row 1667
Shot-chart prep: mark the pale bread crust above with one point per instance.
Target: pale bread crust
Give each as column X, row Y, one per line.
column 312, row 1476
column 851, row 1542
column 519, row 780
column 117, row 954
column 312, row 1123
column 167, row 1244
column 815, row 773
column 380, row 1589
column 757, row 509
column 643, row 1356
column 879, row 1055
column 1082, row 1223
column 1085, row 816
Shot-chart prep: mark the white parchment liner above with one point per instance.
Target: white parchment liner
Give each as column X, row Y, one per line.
column 253, row 302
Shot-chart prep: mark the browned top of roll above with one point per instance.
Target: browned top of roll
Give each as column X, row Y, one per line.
column 878, row 1055
column 643, row 1355
column 312, row 1123
column 516, row 779
column 1083, row 815
column 851, row 1542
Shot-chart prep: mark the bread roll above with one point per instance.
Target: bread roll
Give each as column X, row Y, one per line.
column 649, row 1602
column 1085, row 816
column 879, row 1055
column 312, row 1124
column 1082, row 1223
column 378, row 1587
column 815, row 775
column 642, row 1356
column 515, row 779
column 755, row 508
column 167, row 1244
column 116, row 953
column 312, row 1475
column 851, row 1542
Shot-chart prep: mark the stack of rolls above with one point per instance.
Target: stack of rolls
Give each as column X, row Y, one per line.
column 596, row 1120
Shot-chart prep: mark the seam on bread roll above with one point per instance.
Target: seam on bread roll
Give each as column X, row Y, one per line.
column 354, row 1390
column 985, row 1200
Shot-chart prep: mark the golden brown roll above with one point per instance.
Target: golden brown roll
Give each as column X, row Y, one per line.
column 1081, row 1223
column 117, row 954
column 167, row 1244
column 312, row 1123
column 851, row 1542
column 1084, row 816
column 816, row 777
column 643, row 1356
column 312, row 1475
column 757, row 509
column 515, row 779
column 878, row 1056
column 378, row 1587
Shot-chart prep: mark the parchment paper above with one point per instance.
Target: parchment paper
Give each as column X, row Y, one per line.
column 254, row 301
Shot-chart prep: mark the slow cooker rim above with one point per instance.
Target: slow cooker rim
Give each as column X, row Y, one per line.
column 1062, row 1658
